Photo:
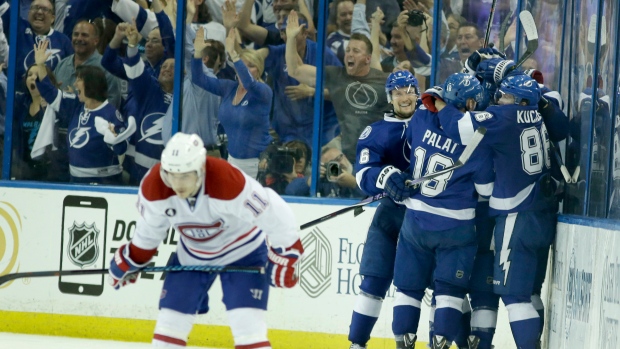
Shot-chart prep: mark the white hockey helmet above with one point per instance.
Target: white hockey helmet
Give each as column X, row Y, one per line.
column 183, row 153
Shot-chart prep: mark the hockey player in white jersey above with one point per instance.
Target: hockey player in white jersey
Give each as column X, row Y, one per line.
column 224, row 218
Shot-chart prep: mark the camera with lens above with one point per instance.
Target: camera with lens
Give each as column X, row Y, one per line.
column 282, row 159
column 416, row 18
column 332, row 169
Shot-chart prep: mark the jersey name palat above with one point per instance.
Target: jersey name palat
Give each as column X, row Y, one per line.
column 528, row 116
column 447, row 144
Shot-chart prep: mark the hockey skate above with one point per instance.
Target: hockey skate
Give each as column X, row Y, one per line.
column 473, row 342
column 408, row 341
column 356, row 346
column 440, row 342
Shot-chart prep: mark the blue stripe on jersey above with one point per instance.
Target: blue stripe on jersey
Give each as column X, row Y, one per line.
column 193, row 255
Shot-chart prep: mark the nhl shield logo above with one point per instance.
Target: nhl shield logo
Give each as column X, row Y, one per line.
column 82, row 248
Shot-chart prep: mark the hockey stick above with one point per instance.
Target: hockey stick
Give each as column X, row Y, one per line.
column 502, row 32
column 529, row 27
column 489, row 24
column 356, row 206
column 469, row 149
column 558, row 158
column 172, row 268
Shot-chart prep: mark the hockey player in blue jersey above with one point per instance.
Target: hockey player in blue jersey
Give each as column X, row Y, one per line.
column 491, row 72
column 437, row 244
column 461, row 91
column 382, row 150
column 522, row 199
column 96, row 131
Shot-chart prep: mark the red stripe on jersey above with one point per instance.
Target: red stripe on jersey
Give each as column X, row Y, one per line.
column 153, row 188
column 171, row 340
column 227, row 246
column 265, row 344
column 223, row 181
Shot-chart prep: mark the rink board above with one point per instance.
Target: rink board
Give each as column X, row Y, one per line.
column 585, row 291
column 315, row 314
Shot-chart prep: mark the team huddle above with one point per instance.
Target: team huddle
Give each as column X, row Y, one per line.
column 475, row 234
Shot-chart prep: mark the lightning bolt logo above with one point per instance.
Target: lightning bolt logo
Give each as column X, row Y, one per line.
column 77, row 135
column 155, row 128
column 505, row 252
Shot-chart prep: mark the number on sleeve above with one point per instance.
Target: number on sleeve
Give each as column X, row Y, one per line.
column 364, row 156
column 252, row 205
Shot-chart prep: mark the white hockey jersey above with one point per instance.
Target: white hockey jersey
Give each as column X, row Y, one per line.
column 231, row 217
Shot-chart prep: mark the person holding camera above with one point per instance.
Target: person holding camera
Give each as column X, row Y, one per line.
column 283, row 164
column 336, row 177
column 405, row 42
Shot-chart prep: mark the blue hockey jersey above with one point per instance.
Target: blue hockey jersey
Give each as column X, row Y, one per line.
column 89, row 155
column 59, row 47
column 151, row 104
column 449, row 200
column 519, row 142
column 381, row 145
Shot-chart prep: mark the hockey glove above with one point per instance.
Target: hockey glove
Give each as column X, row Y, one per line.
column 123, row 270
column 396, row 186
column 283, row 263
column 430, row 96
column 478, row 56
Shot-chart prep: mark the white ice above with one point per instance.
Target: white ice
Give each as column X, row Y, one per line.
column 27, row 341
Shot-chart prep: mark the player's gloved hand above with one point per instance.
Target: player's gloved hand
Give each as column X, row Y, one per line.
column 123, row 270
column 397, row 188
column 430, row 96
column 536, row 75
column 283, row 263
column 471, row 64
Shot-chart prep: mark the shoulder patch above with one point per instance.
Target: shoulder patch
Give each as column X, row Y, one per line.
column 480, row 117
column 222, row 180
column 366, row 132
column 152, row 186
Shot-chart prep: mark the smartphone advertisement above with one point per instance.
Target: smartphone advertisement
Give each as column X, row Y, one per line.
column 84, row 230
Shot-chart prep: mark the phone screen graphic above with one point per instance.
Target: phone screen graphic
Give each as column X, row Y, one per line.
column 84, row 228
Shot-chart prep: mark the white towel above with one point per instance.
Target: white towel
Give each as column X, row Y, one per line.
column 45, row 136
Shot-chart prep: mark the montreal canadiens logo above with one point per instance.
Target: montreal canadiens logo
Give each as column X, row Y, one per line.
column 202, row 232
column 82, row 247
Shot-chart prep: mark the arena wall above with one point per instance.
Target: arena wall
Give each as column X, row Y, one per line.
column 315, row 314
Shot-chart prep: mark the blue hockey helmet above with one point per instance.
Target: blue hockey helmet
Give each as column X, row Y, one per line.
column 488, row 96
column 522, row 87
column 399, row 80
column 460, row 87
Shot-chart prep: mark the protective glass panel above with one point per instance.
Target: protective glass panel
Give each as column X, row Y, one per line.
column 582, row 80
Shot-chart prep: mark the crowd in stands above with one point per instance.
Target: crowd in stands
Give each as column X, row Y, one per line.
column 248, row 88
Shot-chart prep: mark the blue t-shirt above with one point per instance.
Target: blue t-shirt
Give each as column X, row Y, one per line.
column 293, row 120
column 247, row 123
